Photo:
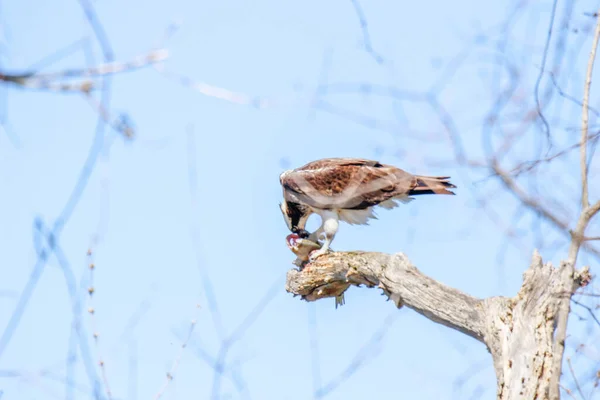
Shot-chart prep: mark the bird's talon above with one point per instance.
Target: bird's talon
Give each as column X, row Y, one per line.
column 316, row 254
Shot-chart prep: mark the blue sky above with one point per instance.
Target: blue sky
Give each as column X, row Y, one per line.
column 158, row 237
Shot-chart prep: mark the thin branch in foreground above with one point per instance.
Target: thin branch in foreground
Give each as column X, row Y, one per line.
column 49, row 81
column 211, row 299
column 588, row 309
column 575, row 379
column 121, row 124
column 364, row 26
column 568, row 391
column 237, row 334
column 216, row 91
column 177, row 360
column 526, row 200
column 539, row 79
column 537, row 207
column 585, row 118
column 76, row 302
column 314, row 349
column 132, row 370
column 92, row 312
column 204, row 356
column 569, row 97
column 368, row 350
column 98, row 29
column 528, row 166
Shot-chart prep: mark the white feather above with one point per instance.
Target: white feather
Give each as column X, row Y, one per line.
column 388, row 204
column 404, row 199
column 392, row 203
column 357, row 217
column 362, row 217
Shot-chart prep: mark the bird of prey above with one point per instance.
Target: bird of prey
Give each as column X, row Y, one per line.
column 348, row 189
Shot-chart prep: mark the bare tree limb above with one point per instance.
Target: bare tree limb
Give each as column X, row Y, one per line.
column 332, row 274
column 365, row 32
column 518, row 331
column 536, row 206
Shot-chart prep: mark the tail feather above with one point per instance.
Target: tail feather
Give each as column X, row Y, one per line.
column 432, row 185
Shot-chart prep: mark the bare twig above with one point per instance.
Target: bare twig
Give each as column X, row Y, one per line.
column 177, row 360
column 211, row 299
column 49, row 81
column 530, row 165
column 238, row 332
column 216, row 91
column 526, row 200
column 314, row 350
column 96, row 334
column 365, row 32
column 585, row 117
column 537, row 207
column 368, row 350
column 575, row 379
column 539, row 79
column 569, row 392
column 589, row 310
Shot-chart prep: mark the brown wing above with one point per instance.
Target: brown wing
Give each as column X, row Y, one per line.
column 341, row 162
column 348, row 183
column 432, row 185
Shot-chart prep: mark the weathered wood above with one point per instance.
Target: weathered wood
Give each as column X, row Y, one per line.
column 517, row 331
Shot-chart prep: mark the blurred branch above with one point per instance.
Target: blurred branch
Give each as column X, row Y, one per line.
column 177, row 359
column 530, row 165
column 575, row 379
column 216, row 91
column 49, row 81
column 528, row 201
column 539, row 79
column 537, row 207
column 585, row 119
column 365, row 352
column 95, row 332
column 206, row 281
column 364, row 26
column 314, row 350
column 587, row 213
column 237, row 334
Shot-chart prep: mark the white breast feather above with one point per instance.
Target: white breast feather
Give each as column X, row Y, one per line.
column 362, row 217
column 357, row 217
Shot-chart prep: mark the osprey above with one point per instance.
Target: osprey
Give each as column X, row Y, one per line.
column 348, row 189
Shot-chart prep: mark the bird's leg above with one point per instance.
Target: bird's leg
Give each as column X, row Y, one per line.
column 330, row 227
column 316, row 234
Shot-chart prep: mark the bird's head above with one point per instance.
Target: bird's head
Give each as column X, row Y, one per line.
column 295, row 217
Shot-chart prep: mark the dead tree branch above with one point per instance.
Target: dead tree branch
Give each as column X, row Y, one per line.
column 517, row 331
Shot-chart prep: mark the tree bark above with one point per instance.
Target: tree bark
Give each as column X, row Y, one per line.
column 518, row 331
